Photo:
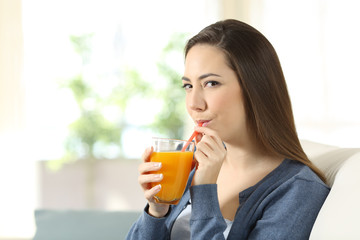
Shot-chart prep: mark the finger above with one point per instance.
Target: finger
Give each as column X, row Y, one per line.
column 204, row 147
column 200, row 156
column 198, row 137
column 211, row 149
column 214, row 141
column 145, row 180
column 204, row 131
column 208, row 144
column 150, row 194
column 206, row 153
column 147, row 153
column 149, row 166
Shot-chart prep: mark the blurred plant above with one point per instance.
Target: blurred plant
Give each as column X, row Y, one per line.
column 170, row 121
column 82, row 46
column 92, row 136
column 91, row 128
column 92, row 131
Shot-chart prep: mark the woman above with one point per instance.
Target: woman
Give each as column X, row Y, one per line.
column 253, row 179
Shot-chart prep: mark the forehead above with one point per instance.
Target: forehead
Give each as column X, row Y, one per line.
column 204, row 58
column 203, row 52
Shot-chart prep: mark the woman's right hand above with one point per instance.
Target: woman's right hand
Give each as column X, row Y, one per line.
column 146, row 178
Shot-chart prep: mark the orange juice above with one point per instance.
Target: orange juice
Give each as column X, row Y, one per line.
column 176, row 167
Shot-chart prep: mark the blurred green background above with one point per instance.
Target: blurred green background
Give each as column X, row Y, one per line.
column 92, row 135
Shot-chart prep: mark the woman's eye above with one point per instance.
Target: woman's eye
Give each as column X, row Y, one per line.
column 211, row 83
column 187, row 86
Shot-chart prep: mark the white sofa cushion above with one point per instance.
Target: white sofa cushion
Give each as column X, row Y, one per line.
column 338, row 218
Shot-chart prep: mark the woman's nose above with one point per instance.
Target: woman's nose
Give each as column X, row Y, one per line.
column 196, row 101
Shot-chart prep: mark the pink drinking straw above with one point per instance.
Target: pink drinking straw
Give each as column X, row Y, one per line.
column 195, row 133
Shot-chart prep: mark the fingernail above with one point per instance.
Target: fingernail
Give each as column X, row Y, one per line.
column 157, row 164
column 158, row 187
column 159, row 176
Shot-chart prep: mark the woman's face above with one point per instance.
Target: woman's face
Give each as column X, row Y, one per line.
column 213, row 93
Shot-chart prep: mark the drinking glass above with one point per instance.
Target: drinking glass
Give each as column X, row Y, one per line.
column 176, row 157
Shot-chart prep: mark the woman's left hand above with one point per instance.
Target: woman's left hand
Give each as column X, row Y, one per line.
column 210, row 154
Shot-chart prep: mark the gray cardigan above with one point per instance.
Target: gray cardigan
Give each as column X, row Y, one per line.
column 283, row 205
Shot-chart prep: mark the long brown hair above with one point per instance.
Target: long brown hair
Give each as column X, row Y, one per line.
column 266, row 99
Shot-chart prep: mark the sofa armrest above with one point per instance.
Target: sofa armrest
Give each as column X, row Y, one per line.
column 338, row 217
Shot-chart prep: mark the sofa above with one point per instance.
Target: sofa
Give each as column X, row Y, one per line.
column 338, row 218
column 83, row 224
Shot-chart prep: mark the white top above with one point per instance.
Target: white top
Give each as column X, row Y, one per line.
column 181, row 227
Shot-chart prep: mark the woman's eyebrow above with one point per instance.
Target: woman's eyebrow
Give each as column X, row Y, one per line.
column 202, row 76
column 185, row 79
column 208, row 75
